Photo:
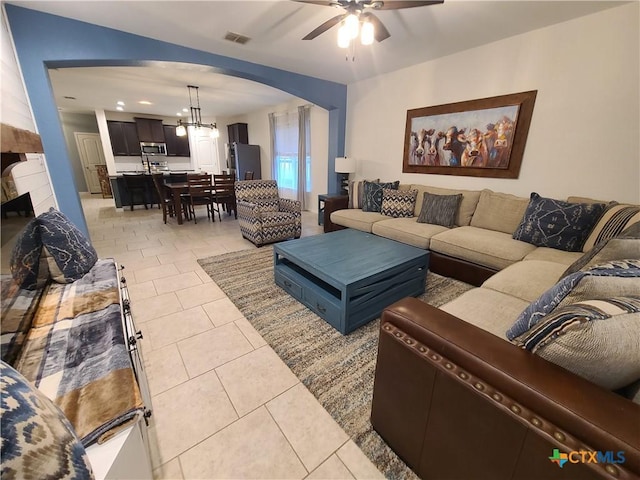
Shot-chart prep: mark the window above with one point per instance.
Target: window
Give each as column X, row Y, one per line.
column 293, row 177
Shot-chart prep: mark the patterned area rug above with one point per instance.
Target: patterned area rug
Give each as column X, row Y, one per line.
column 338, row 370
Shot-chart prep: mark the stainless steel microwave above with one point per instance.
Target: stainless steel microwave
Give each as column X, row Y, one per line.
column 149, row 148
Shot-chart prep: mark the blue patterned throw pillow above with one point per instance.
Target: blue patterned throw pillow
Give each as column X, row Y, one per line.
column 557, row 224
column 69, row 253
column 372, row 196
column 37, row 439
column 615, row 278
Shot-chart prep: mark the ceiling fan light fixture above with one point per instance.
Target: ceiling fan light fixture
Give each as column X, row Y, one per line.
column 352, row 22
column 367, row 34
column 344, row 37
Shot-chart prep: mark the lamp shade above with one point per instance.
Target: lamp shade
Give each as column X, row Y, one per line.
column 345, row 165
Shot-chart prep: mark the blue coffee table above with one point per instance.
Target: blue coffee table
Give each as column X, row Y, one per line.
column 348, row 277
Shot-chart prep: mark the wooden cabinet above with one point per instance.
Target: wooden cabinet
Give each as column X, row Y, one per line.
column 238, row 133
column 150, row 130
column 176, row 146
column 124, row 138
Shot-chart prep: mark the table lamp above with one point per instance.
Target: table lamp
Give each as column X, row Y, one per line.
column 344, row 166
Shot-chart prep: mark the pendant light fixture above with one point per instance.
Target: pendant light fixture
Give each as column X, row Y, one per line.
column 196, row 118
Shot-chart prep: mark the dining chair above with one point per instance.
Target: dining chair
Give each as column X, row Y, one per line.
column 225, row 194
column 201, row 193
column 136, row 187
column 248, row 175
column 164, row 196
column 177, row 177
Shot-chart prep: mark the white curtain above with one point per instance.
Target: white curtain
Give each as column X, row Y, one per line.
column 290, row 152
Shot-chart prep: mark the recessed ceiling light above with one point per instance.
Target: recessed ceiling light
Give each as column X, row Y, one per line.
column 179, row 114
column 185, row 110
column 121, row 103
column 119, row 108
column 145, row 102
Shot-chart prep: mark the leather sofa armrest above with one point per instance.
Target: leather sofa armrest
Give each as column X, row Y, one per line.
column 601, row 419
column 331, row 205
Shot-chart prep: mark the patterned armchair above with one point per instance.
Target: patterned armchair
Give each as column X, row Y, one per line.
column 264, row 217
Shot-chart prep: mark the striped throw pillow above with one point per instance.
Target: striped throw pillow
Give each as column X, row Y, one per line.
column 613, row 221
column 398, row 203
column 598, row 339
column 440, row 209
column 356, row 193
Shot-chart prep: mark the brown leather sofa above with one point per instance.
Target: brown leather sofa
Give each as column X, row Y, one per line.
column 456, row 402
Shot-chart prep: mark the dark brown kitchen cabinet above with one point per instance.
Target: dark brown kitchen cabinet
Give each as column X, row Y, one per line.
column 149, row 130
column 176, row 146
column 124, row 138
column 238, row 133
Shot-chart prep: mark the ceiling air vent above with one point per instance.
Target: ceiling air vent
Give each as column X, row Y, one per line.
column 236, row 38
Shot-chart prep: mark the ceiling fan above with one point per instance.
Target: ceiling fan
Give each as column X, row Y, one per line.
column 358, row 18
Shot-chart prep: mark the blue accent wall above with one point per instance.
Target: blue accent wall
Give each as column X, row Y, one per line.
column 48, row 41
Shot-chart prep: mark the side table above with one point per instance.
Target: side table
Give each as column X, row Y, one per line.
column 321, row 203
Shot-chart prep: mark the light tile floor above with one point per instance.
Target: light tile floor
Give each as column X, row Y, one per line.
column 224, row 404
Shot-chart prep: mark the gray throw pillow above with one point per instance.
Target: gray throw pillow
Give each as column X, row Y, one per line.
column 557, row 224
column 372, row 201
column 439, row 209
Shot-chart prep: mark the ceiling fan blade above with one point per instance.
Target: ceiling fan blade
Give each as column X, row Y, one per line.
column 380, row 31
column 398, row 4
column 325, row 26
column 325, row 3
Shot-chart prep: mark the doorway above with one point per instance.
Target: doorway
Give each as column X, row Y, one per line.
column 91, row 155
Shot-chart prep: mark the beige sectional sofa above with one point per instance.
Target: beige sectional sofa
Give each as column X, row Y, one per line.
column 450, row 384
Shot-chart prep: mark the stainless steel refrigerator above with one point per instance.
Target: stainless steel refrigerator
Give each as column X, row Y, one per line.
column 245, row 158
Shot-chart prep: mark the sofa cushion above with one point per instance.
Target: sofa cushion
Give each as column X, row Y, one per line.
column 526, row 280
column 616, row 278
column 356, row 193
column 439, row 209
column 28, row 268
column 488, row 309
column 501, row 212
column 69, row 252
column 356, row 218
column 467, row 204
column 557, row 224
column 596, row 339
column 407, row 230
column 396, row 203
column 625, row 245
column 553, row 255
column 372, row 200
column 612, row 223
column 37, row 439
column 489, row 248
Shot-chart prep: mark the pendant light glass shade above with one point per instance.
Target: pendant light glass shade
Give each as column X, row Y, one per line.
column 196, row 118
column 181, row 131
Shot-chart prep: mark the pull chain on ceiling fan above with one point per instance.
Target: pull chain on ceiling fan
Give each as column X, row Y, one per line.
column 357, row 20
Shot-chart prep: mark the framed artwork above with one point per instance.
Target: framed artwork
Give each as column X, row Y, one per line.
column 478, row 138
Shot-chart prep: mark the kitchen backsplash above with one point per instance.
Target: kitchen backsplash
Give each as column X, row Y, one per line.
column 134, row 164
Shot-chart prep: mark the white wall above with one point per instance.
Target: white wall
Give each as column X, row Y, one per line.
column 584, row 136
column 258, row 132
column 29, row 176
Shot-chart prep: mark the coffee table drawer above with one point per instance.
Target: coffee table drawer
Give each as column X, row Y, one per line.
column 323, row 305
column 292, row 287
